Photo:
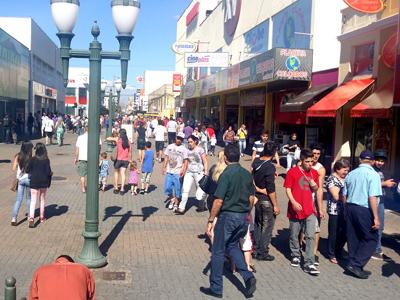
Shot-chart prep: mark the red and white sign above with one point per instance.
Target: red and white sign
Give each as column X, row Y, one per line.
column 389, row 51
column 396, row 96
column 177, row 82
column 139, row 79
column 192, row 14
column 366, row 6
column 231, row 15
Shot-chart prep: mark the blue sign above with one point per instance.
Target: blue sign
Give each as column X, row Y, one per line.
column 292, row 26
column 292, row 63
column 256, row 39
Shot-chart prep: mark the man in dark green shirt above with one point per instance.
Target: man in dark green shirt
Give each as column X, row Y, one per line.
column 234, row 199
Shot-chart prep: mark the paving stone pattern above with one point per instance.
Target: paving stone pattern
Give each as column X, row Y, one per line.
column 161, row 253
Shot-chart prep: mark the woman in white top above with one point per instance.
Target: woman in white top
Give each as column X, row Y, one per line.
column 20, row 163
column 196, row 167
column 47, row 129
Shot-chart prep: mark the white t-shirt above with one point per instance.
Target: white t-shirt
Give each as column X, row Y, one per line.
column 82, row 144
column 159, row 133
column 154, row 123
column 176, row 155
column 195, row 160
column 171, row 126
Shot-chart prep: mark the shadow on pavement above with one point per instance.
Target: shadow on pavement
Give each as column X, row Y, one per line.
column 113, row 235
column 152, row 188
column 281, row 242
column 54, row 210
column 391, row 241
column 5, row 161
column 390, row 267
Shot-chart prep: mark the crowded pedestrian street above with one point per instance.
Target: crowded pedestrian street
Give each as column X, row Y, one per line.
column 153, row 253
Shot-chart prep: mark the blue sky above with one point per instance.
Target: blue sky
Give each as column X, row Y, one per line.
column 154, row 34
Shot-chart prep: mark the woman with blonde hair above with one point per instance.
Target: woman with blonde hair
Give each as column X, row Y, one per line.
column 60, row 129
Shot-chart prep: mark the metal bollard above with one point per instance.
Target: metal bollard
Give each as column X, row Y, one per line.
column 10, row 290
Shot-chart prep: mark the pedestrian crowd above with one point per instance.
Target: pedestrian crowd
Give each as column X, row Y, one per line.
column 242, row 203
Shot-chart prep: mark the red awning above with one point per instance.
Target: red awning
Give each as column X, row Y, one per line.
column 328, row 105
column 376, row 105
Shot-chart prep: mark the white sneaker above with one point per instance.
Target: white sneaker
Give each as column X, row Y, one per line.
column 171, row 205
column 312, row 270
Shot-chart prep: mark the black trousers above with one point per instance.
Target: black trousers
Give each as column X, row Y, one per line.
column 171, row 137
column 361, row 238
column 264, row 221
column 337, row 236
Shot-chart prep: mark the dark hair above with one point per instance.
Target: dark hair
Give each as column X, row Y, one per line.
column 103, row 154
column 124, row 138
column 67, row 257
column 340, row 164
column 232, row 153
column 148, row 144
column 179, row 138
column 194, row 138
column 305, row 153
column 269, row 149
column 316, row 147
column 160, row 122
column 24, row 155
column 41, row 151
column 265, row 132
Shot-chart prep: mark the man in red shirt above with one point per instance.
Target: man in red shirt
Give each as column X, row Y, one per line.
column 61, row 280
column 300, row 183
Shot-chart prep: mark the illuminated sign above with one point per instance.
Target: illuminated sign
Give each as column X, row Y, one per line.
column 184, row 47
column 219, row 59
column 366, row 6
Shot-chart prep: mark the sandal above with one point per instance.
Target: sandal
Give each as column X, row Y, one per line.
column 252, row 268
column 121, row 192
column 31, row 223
column 42, row 220
column 333, row 260
column 116, row 191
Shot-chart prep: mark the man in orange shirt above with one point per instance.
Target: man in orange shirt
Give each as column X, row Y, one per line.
column 63, row 279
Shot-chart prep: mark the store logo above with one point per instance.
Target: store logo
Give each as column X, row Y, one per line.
column 231, row 15
column 292, row 63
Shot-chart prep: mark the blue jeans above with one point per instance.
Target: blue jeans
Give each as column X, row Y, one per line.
column 381, row 215
column 23, row 185
column 228, row 230
column 242, row 145
column 173, row 181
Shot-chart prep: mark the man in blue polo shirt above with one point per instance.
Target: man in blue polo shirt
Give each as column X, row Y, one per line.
column 362, row 188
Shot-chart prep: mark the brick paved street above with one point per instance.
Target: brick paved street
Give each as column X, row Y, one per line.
column 161, row 253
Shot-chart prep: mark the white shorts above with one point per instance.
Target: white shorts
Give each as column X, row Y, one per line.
column 246, row 243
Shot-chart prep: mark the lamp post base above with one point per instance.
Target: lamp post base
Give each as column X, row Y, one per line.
column 91, row 255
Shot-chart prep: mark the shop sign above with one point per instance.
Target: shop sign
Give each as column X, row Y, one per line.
column 184, row 47
column 222, row 80
column 176, row 82
column 191, row 89
column 366, row 6
column 292, row 26
column 231, row 15
column 293, row 64
column 207, row 59
column 254, row 97
column 389, row 51
column 139, row 79
column 212, row 84
column 233, row 76
column 256, row 39
column 257, row 69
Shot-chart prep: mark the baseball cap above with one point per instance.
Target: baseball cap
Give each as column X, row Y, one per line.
column 380, row 154
column 366, row 154
column 181, row 135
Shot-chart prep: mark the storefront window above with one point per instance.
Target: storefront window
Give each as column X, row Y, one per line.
column 362, row 137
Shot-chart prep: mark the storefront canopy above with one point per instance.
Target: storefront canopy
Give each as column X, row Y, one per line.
column 376, row 105
column 303, row 101
column 328, row 105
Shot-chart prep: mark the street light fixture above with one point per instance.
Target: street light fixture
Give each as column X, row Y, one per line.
column 65, row 14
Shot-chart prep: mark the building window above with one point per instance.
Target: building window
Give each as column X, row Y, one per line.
column 363, row 59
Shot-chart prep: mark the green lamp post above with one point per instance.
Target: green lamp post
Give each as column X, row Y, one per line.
column 65, row 13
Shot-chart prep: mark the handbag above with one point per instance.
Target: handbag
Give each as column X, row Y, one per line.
column 14, row 185
column 204, row 183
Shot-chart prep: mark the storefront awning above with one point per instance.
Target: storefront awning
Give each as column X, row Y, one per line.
column 328, row 105
column 376, row 105
column 301, row 102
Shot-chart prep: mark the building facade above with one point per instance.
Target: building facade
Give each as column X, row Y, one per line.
column 46, row 89
column 362, row 106
column 162, row 101
column 276, row 51
column 77, row 95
